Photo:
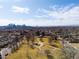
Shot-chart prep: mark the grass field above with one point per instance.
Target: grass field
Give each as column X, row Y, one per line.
column 46, row 52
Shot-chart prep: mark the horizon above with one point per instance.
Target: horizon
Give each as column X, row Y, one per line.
column 39, row 12
column 38, row 26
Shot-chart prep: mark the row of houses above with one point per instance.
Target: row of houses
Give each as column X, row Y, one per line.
column 10, row 42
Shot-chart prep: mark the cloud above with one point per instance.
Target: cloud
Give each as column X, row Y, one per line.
column 67, row 15
column 39, row 22
column 60, row 16
column 18, row 9
column 28, row 22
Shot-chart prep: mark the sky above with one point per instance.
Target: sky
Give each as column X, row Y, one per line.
column 39, row 12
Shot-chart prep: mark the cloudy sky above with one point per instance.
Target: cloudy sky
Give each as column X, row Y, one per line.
column 39, row 12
